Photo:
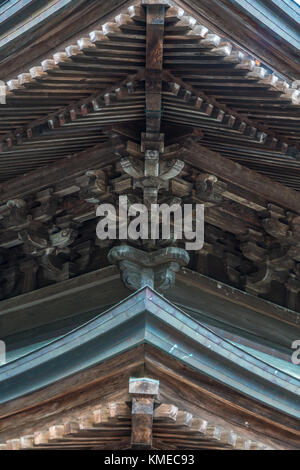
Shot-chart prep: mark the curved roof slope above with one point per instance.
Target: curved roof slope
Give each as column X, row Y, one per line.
column 147, row 318
column 68, row 103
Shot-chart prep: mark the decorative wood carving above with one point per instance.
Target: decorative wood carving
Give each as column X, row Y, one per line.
column 156, row 269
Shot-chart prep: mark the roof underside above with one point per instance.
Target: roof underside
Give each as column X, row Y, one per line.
column 232, row 124
column 69, row 121
column 70, row 102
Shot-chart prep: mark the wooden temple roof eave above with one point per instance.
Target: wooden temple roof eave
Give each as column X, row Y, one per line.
column 218, row 165
column 197, row 155
column 218, row 15
column 147, row 308
column 63, row 24
column 214, row 215
column 81, row 433
column 90, row 428
column 197, row 397
column 163, row 366
column 251, row 235
column 230, row 171
column 193, row 9
column 83, row 49
column 104, row 287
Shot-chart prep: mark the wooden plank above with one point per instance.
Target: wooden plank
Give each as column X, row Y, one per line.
column 166, row 412
column 49, row 35
column 155, row 18
column 48, row 175
column 141, row 423
column 202, row 158
column 197, row 393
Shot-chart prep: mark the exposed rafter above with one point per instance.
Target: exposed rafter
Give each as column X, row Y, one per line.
column 72, row 96
column 155, row 24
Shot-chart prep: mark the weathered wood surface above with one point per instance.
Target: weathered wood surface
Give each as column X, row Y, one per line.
column 142, row 318
column 236, row 25
column 100, row 155
column 95, row 414
column 207, row 160
column 68, row 106
column 104, row 287
column 77, row 75
column 108, row 426
column 242, row 225
column 63, row 22
column 143, row 392
column 155, row 23
column 91, row 291
column 213, row 399
column 244, row 314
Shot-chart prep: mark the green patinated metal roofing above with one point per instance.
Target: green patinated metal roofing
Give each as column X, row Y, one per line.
column 280, row 364
column 147, row 318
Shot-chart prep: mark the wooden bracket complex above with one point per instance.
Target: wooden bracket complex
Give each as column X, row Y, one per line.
column 143, row 392
column 156, row 269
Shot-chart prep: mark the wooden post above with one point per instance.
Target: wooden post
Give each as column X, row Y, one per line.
column 143, row 392
column 155, row 18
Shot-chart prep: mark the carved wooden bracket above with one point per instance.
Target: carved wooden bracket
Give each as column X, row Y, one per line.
column 8, row 281
column 38, row 241
column 156, row 269
column 153, row 175
column 15, row 215
column 93, row 186
column 260, row 282
column 210, row 189
column 143, row 392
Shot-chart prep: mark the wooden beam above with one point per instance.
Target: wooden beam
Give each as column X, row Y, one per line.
column 249, row 35
column 143, row 392
column 227, row 116
column 59, row 171
column 155, row 19
column 204, row 159
column 60, row 26
column 108, row 426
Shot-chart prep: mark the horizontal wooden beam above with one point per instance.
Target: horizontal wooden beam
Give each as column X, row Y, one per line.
column 154, row 65
column 59, row 171
column 204, row 159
